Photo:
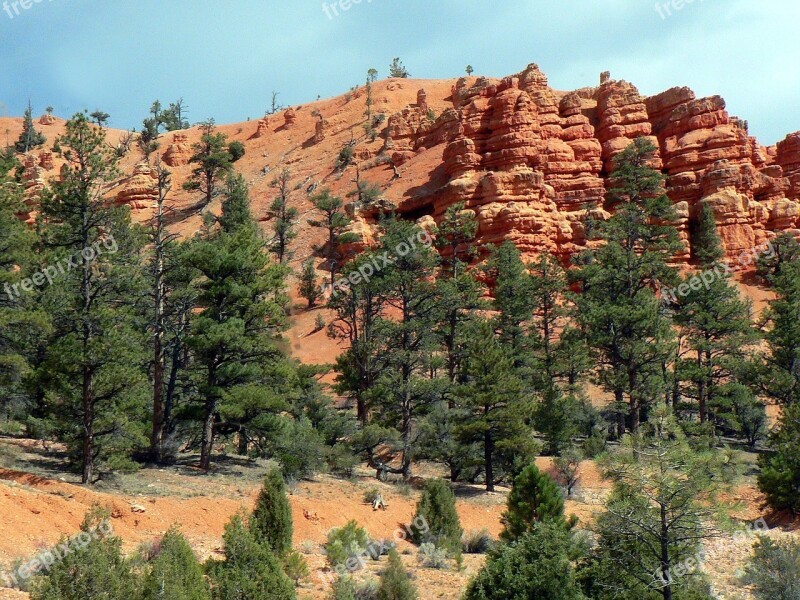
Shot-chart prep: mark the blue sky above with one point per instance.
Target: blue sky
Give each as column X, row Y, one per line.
column 225, row 57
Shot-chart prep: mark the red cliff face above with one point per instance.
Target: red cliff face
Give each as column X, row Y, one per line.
column 532, row 162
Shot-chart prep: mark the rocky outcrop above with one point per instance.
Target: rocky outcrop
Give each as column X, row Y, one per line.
column 47, row 119
column 33, row 180
column 533, row 163
column 289, row 117
column 319, row 129
column 140, row 190
column 263, row 128
column 179, row 152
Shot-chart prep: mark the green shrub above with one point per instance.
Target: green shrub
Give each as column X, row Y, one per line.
column 371, row 495
column 94, row 570
column 271, row 522
column 774, row 570
column 174, row 572
column 539, row 564
column 295, row 566
column 236, row 150
column 534, row 498
column 250, row 569
column 436, row 520
column 346, row 544
column 345, row 158
column 395, row 581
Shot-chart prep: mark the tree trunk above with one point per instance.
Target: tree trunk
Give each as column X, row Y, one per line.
column 619, row 398
column 488, row 454
column 406, row 429
column 207, row 441
column 88, row 428
column 701, row 389
column 665, row 560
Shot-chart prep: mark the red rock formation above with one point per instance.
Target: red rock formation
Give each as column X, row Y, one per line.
column 532, row 163
column 179, row 151
column 319, row 129
column 289, row 117
column 47, row 119
column 263, row 128
column 140, row 191
column 46, row 161
column 33, row 180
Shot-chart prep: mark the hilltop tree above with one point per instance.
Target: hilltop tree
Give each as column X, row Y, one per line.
column 241, row 302
column 283, row 216
column 397, row 69
column 29, row 138
column 100, row 117
column 334, row 221
column 92, row 369
column 469, row 70
column 372, row 75
column 174, row 117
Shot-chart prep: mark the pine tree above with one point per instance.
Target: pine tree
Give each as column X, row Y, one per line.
column 396, row 583
column 175, row 572
column 437, row 510
column 23, row 325
column 250, row 569
column 93, row 368
column 785, row 249
column 271, row 521
column 535, row 498
column 397, row 69
column 334, row 221
column 512, row 299
column 214, row 162
column 309, row 288
column 661, row 509
column 540, row 564
column 283, row 216
column 780, row 378
column 29, row 138
column 242, row 298
column 780, row 466
column 714, row 320
column 707, row 246
column 618, row 307
column 358, row 308
column 403, row 389
column 495, row 406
